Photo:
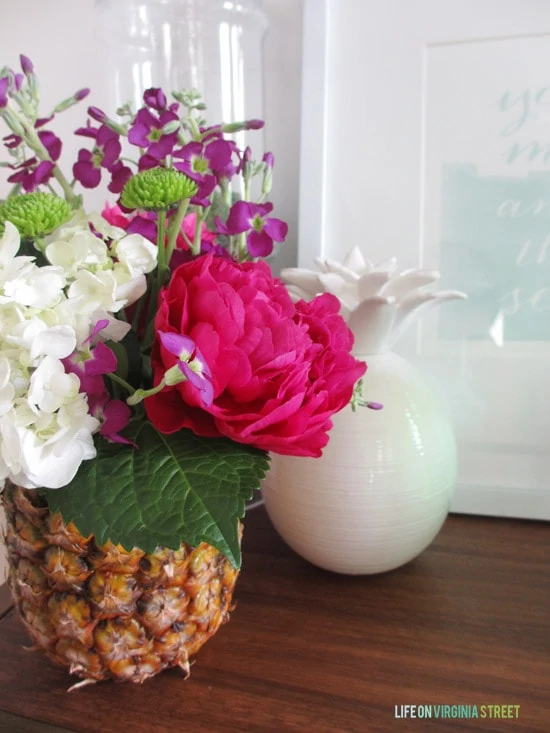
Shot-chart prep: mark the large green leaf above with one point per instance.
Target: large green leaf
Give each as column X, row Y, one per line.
column 174, row 488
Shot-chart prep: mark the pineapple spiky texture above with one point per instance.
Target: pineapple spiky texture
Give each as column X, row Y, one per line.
column 104, row 612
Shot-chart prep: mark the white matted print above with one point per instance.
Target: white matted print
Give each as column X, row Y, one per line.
column 486, row 226
column 426, row 135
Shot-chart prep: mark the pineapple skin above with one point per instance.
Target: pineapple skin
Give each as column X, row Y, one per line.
column 104, row 612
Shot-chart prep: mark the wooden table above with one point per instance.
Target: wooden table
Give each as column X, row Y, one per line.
column 307, row 651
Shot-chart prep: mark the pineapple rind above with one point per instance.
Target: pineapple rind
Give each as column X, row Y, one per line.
column 103, row 612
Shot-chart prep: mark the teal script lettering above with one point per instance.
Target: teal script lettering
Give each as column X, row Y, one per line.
column 496, row 244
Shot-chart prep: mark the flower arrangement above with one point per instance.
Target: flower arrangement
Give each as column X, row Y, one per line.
column 149, row 359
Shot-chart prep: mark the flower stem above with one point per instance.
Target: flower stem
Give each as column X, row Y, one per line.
column 161, row 244
column 175, row 226
column 123, row 383
column 141, row 394
column 194, row 128
column 35, row 144
column 199, row 218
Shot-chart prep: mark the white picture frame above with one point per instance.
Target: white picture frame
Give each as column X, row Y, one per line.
column 367, row 106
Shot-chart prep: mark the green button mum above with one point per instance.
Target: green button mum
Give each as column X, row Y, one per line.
column 157, row 189
column 35, row 214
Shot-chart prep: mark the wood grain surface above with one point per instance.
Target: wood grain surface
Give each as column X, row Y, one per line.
column 306, row 651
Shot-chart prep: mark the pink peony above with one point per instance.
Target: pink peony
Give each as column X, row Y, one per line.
column 279, row 370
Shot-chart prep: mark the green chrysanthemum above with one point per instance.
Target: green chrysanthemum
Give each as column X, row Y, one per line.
column 35, row 214
column 157, row 189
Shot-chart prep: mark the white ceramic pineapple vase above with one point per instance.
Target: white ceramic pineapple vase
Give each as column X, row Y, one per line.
column 382, row 489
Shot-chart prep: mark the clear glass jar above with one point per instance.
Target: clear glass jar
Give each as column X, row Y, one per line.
column 214, row 46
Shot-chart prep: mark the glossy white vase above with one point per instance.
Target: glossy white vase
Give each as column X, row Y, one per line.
column 382, row 489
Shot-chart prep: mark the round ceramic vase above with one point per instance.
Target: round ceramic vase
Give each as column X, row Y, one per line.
column 382, row 489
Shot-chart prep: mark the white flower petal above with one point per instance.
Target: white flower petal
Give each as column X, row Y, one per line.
column 58, row 341
column 137, row 253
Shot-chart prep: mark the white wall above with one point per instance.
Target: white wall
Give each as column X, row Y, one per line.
column 67, row 54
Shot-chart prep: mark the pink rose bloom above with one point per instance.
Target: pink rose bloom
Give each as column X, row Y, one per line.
column 279, row 370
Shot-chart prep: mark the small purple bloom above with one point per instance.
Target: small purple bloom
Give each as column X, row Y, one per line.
column 87, row 169
column 245, row 161
column 52, row 143
column 120, row 174
column 146, row 227
column 4, row 87
column 18, row 80
column 12, row 141
column 146, row 162
column 199, row 160
column 155, row 98
column 97, row 114
column 254, row 124
column 116, row 415
column 30, row 174
column 90, row 366
column 269, row 160
column 27, row 65
column 262, row 230
column 81, row 94
column 100, row 325
column 41, row 121
column 146, row 132
column 205, row 189
column 181, row 256
column 190, row 362
column 88, row 131
column 374, row 405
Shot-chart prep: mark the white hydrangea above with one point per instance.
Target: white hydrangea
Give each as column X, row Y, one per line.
column 46, row 313
column 137, row 253
column 81, row 250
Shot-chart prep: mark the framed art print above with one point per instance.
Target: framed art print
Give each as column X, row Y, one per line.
column 426, row 136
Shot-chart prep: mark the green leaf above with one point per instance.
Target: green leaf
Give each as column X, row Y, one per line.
column 173, row 489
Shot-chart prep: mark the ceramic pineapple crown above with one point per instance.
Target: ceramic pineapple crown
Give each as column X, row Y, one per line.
column 378, row 302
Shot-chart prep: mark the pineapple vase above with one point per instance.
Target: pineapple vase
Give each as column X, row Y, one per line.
column 104, row 612
column 382, row 489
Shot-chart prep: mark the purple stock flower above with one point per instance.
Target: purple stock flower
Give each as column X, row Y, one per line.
column 205, row 189
column 146, row 227
column 88, row 131
column 146, row 132
column 97, row 114
column 12, row 141
column 48, row 139
column 27, row 66
column 190, row 362
column 269, row 160
column 87, row 170
column 254, row 124
column 81, row 94
column 181, row 256
column 120, row 173
column 200, row 160
column 262, row 230
column 32, row 174
column 41, row 121
column 4, row 87
column 115, row 415
column 52, row 143
column 155, row 98
column 146, row 162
